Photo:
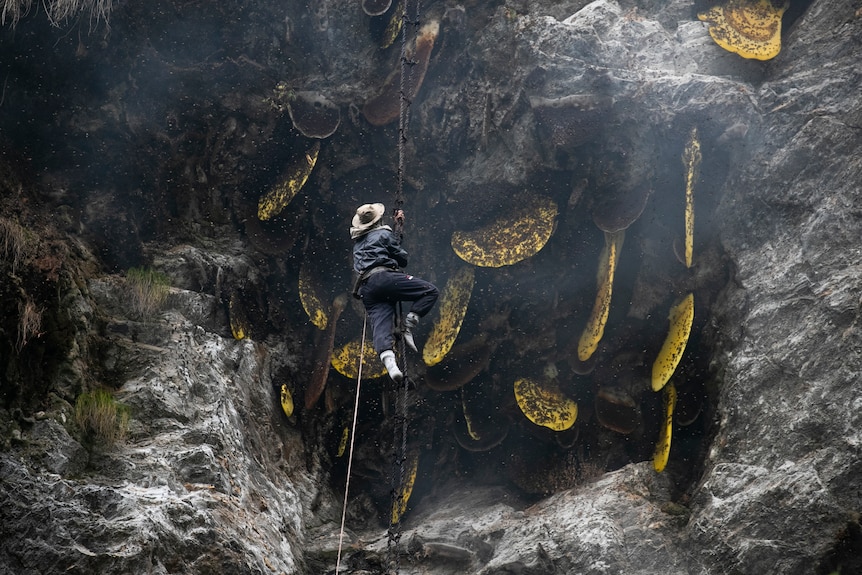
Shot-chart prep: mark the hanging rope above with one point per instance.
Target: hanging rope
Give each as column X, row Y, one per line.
column 405, row 91
column 352, row 438
column 394, row 533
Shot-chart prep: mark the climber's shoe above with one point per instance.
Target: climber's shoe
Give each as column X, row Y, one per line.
column 388, row 359
column 411, row 321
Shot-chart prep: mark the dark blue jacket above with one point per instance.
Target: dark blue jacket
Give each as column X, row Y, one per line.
column 379, row 247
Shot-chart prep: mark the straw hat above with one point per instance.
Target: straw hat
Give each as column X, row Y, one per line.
column 366, row 218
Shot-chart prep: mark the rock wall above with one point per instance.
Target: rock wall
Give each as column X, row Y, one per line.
column 210, row 477
column 792, row 341
column 167, row 129
column 775, row 495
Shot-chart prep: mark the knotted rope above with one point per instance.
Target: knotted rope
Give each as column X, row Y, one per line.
column 394, row 532
column 405, row 85
column 405, row 100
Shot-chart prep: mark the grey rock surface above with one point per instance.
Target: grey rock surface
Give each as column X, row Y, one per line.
column 208, row 478
column 777, row 494
column 214, row 478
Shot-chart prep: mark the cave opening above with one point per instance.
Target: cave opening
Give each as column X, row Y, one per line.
column 524, row 321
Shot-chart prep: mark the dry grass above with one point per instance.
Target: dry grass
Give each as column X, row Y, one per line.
column 149, row 290
column 59, row 11
column 13, row 242
column 101, row 417
column 29, row 323
column 13, row 10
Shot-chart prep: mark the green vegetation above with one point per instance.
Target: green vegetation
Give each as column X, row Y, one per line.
column 149, row 290
column 59, row 11
column 101, row 417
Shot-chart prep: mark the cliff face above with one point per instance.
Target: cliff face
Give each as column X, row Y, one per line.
column 170, row 145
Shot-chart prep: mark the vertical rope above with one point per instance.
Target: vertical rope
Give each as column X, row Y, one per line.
column 352, row 438
column 405, row 90
column 394, row 533
column 406, row 93
column 400, row 457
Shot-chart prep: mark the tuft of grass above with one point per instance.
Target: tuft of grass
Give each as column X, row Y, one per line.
column 13, row 10
column 14, row 241
column 101, row 417
column 29, row 323
column 149, row 290
column 59, row 11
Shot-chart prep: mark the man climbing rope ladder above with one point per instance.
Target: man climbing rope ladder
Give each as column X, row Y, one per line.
column 377, row 258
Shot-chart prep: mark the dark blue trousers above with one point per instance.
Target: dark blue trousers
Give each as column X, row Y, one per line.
column 382, row 292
